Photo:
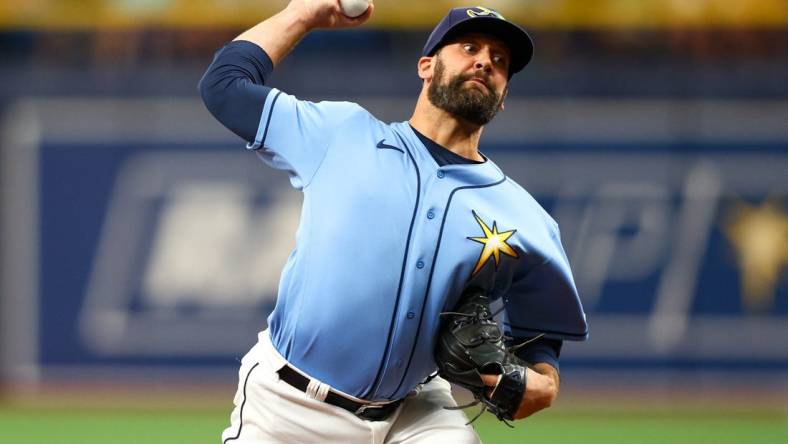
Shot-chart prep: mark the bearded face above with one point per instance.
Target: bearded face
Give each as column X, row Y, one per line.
column 470, row 104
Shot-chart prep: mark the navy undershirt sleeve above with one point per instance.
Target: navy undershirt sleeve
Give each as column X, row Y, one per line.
column 542, row 350
column 233, row 88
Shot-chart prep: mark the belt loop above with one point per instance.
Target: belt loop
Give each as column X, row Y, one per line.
column 317, row 390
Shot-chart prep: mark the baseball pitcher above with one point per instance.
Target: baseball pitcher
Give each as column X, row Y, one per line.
column 417, row 260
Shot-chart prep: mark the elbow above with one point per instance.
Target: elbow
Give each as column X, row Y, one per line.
column 233, row 101
column 538, row 396
column 207, row 91
column 217, row 99
column 546, row 395
column 549, row 395
column 547, row 386
column 214, row 87
column 201, row 84
column 544, row 399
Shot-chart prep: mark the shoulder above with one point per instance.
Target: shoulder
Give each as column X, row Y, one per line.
column 344, row 108
column 336, row 107
column 531, row 204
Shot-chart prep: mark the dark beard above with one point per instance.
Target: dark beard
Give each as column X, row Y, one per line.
column 474, row 106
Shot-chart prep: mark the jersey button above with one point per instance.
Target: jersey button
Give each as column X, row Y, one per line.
column 441, row 174
column 420, row 264
column 430, row 215
column 411, row 315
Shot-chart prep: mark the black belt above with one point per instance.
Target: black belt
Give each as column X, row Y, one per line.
column 370, row 412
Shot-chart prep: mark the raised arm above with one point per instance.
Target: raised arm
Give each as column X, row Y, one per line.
column 279, row 34
column 233, row 88
column 286, row 133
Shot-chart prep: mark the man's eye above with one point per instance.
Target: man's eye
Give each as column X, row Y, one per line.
column 469, row 47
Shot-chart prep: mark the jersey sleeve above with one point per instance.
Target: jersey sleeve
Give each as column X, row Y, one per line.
column 541, row 350
column 544, row 299
column 286, row 133
column 294, row 135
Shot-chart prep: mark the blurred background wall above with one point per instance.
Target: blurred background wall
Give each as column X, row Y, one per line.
column 140, row 242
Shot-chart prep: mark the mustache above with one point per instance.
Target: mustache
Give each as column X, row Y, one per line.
column 485, row 78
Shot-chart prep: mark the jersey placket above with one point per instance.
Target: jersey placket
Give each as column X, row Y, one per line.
column 436, row 190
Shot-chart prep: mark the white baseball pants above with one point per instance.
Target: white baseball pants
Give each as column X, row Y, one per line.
column 269, row 411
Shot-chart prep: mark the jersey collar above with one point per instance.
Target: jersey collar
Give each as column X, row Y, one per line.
column 466, row 174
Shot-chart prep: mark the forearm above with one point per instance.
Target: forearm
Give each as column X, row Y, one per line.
column 279, row 34
column 541, row 390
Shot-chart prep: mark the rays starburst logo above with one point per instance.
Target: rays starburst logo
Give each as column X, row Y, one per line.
column 494, row 244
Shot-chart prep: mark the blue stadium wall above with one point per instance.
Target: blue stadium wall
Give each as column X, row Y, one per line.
column 140, row 237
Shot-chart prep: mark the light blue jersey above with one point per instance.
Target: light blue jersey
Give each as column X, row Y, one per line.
column 388, row 240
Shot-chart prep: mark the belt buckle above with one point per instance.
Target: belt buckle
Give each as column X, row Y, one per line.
column 363, row 409
column 374, row 412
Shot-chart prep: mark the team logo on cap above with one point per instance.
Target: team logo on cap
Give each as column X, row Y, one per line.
column 481, row 11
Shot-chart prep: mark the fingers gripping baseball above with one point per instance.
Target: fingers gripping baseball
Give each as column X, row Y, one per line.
column 329, row 14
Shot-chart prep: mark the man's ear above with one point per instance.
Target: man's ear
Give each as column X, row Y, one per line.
column 426, row 68
column 503, row 97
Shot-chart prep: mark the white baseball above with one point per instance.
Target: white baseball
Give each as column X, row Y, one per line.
column 354, row 8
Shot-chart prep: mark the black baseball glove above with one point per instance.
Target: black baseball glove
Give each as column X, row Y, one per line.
column 470, row 343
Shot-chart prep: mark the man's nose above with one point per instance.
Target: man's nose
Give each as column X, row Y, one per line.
column 483, row 61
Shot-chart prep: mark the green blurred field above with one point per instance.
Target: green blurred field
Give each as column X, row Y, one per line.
column 118, row 425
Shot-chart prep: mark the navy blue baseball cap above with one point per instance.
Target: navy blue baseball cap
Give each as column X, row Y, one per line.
column 484, row 20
